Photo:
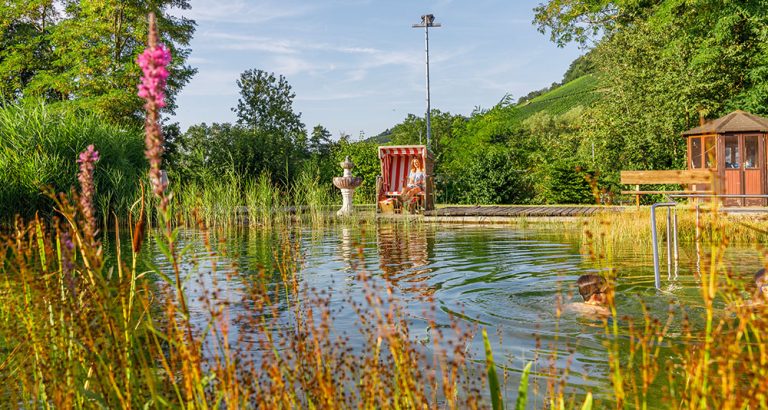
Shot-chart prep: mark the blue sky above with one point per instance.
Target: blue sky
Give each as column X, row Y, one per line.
column 357, row 65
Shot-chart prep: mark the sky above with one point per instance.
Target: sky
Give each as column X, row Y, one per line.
column 357, row 66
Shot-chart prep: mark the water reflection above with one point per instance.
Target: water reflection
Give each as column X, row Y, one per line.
column 404, row 257
column 503, row 278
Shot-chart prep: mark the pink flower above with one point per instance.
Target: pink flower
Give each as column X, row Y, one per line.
column 87, row 161
column 153, row 62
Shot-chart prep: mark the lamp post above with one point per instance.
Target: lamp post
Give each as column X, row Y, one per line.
column 427, row 21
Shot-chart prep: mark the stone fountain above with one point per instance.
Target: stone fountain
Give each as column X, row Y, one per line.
column 347, row 185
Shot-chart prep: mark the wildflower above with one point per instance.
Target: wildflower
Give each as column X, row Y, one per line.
column 87, row 161
column 153, row 62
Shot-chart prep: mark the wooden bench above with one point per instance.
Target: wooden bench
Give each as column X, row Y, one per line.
column 671, row 177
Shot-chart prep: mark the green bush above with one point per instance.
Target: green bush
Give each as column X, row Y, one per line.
column 568, row 183
column 493, row 177
column 39, row 146
column 365, row 156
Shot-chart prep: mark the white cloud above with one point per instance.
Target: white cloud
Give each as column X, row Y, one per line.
column 241, row 11
column 229, row 41
column 289, row 66
column 211, row 82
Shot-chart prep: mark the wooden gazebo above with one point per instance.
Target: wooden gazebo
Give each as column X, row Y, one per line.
column 734, row 146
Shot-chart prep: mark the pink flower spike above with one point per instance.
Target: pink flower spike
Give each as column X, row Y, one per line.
column 87, row 160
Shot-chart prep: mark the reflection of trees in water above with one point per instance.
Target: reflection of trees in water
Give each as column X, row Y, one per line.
column 404, row 256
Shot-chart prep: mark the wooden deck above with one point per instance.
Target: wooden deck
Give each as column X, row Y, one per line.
column 521, row 211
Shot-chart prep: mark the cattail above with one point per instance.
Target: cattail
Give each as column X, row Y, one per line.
column 140, row 227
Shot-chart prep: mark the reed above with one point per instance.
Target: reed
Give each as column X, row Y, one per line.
column 632, row 228
column 310, row 197
column 37, row 152
column 721, row 361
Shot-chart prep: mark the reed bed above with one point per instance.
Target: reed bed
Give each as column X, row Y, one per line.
column 79, row 330
column 632, row 227
column 720, row 364
column 231, row 200
column 38, row 148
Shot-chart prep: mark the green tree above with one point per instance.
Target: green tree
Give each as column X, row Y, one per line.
column 85, row 51
column 661, row 64
column 265, row 109
column 320, row 141
column 583, row 20
column 266, row 103
column 322, row 156
column 413, row 130
column 365, row 156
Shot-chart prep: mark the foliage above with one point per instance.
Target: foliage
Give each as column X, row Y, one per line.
column 321, row 154
column 38, row 150
column 365, row 155
column 557, row 166
column 583, row 20
column 493, row 176
column 493, row 377
column 85, row 52
column 412, row 131
column 266, row 104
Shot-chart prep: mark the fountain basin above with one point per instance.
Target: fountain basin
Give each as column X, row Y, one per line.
column 347, row 182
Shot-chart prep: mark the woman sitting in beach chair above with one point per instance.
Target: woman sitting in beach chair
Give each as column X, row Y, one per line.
column 415, row 184
column 405, row 178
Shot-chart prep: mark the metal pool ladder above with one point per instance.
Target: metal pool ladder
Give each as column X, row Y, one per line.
column 671, row 245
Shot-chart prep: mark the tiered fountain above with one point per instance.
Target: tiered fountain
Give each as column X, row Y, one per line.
column 347, row 185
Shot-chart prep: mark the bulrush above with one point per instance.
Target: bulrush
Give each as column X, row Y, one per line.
column 87, row 161
column 153, row 62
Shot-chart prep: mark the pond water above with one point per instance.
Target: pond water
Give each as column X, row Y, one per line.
column 504, row 278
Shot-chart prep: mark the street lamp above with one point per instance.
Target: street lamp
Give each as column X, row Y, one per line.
column 427, row 21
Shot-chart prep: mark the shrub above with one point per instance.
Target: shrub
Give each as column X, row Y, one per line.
column 493, row 177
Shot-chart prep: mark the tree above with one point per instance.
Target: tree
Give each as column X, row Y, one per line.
column 582, row 20
column 265, row 110
column 266, row 103
column 661, row 64
column 320, row 142
column 84, row 51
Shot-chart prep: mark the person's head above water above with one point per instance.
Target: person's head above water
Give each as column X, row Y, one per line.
column 592, row 288
column 761, row 281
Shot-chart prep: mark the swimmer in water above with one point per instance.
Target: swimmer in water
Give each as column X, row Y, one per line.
column 593, row 289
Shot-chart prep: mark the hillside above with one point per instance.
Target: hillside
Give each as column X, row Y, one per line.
column 581, row 91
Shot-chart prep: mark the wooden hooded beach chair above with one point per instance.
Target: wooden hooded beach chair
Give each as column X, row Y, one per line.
column 395, row 164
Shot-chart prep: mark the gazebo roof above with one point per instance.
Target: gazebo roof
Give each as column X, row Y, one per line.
column 737, row 121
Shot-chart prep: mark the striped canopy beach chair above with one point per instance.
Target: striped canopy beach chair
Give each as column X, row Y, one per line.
column 395, row 162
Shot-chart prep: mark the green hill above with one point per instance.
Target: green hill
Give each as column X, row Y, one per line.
column 581, row 91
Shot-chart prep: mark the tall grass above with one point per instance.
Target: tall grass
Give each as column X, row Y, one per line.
column 79, row 330
column 310, row 197
column 720, row 364
column 39, row 148
column 231, row 200
column 631, row 228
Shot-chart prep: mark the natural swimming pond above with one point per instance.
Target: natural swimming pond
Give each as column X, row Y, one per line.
column 506, row 279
